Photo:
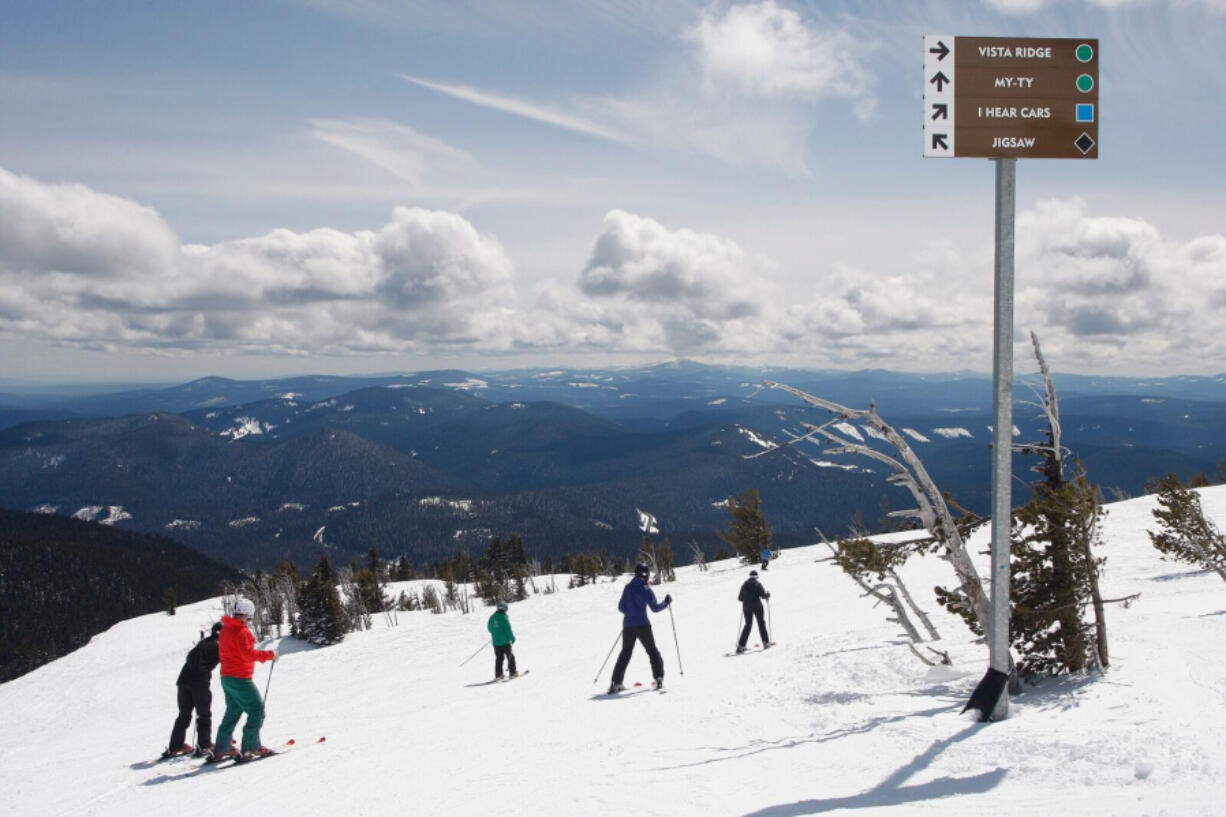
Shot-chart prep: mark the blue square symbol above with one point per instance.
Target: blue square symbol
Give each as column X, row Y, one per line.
column 1085, row 111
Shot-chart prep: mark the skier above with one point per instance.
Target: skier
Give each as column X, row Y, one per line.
column 636, row 598
column 766, row 557
column 500, row 633
column 194, row 694
column 236, row 646
column 750, row 597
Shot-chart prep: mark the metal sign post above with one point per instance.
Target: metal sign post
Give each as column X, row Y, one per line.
column 1002, row 427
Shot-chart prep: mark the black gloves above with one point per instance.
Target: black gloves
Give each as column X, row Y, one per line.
column 668, row 599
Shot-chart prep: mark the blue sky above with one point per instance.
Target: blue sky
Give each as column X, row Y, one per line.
column 251, row 188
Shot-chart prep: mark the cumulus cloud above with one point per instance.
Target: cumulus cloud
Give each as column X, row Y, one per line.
column 683, row 288
column 1104, row 290
column 85, row 268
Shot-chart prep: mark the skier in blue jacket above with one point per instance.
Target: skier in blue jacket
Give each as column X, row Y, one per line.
column 636, row 598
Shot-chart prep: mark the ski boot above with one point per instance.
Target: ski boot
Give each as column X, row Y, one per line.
column 182, row 750
column 216, row 756
column 253, row 754
column 616, row 688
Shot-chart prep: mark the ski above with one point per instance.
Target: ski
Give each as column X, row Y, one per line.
column 637, row 689
column 756, row 649
column 158, row 761
column 285, row 748
column 510, row 678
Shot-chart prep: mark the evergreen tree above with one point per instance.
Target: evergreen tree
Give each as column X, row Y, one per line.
column 368, row 585
column 748, row 531
column 404, row 570
column 321, row 616
column 168, row 601
column 664, row 561
column 1052, row 568
column 1184, row 533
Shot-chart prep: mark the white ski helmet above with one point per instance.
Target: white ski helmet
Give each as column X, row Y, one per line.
column 244, row 607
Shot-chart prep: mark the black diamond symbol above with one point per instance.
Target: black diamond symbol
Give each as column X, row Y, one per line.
column 1084, row 143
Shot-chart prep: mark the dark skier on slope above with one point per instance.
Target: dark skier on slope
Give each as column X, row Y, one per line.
column 194, row 694
column 750, row 597
column 502, row 637
column 636, row 598
column 236, row 647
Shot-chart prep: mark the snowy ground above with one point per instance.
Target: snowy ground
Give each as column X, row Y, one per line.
column 838, row 718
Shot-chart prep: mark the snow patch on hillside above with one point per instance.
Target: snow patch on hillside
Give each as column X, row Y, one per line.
column 915, row 435
column 953, row 433
column 244, row 522
column 755, row 438
column 245, row 427
column 102, row 514
column 850, row 430
column 470, row 383
column 463, row 506
column 182, row 524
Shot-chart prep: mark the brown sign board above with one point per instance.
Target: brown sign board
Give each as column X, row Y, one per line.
column 1021, row 97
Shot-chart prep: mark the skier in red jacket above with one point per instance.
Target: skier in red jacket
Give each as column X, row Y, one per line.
column 236, row 647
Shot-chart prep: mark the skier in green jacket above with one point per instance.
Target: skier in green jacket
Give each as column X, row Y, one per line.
column 502, row 637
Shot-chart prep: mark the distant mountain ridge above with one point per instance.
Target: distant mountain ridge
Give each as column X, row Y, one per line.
column 423, row 464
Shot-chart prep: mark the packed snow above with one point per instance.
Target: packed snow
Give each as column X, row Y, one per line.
column 838, row 718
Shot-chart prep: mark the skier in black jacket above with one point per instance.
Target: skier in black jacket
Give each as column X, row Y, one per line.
column 194, row 693
column 750, row 597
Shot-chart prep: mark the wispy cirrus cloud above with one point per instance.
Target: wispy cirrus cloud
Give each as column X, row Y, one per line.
column 741, row 91
column 518, row 107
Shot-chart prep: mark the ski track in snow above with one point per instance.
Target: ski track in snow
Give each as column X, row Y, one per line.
column 837, row 718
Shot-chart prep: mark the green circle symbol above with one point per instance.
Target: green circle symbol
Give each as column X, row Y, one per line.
column 1085, row 83
column 1085, row 52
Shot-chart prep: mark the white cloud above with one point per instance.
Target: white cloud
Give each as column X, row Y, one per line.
column 87, row 269
column 518, row 107
column 741, row 91
column 1106, row 290
column 405, row 152
column 766, row 50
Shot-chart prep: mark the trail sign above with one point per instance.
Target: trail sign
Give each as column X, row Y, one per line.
column 1010, row 97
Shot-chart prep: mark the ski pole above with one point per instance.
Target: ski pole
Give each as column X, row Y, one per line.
column 268, row 683
column 607, row 657
column 478, row 652
column 675, row 642
column 770, row 624
column 739, row 619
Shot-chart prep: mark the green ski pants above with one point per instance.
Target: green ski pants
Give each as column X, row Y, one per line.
column 241, row 696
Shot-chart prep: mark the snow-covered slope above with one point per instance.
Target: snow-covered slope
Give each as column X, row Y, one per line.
column 839, row 717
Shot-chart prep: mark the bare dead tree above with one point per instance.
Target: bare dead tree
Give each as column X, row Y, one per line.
column 908, row 471
column 700, row 558
column 888, row 593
